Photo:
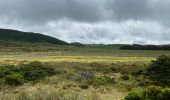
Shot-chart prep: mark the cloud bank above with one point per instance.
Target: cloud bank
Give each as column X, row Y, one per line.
column 94, row 21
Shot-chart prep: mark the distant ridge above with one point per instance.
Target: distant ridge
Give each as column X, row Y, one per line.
column 19, row 36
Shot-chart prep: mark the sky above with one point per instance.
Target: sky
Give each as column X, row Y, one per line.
column 91, row 21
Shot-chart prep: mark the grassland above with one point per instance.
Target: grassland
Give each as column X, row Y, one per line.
column 104, row 63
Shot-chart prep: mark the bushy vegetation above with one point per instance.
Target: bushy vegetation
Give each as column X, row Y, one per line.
column 14, row 79
column 102, row 80
column 132, row 96
column 84, row 86
column 145, row 47
column 125, row 77
column 159, row 71
column 150, row 93
column 17, row 75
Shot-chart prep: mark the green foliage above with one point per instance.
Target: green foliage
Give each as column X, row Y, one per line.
column 153, row 93
column 166, row 93
column 84, row 86
column 14, row 79
column 132, row 96
column 6, row 70
column 150, row 93
column 137, row 72
column 159, row 70
column 125, row 77
column 34, row 71
column 102, row 80
column 29, row 72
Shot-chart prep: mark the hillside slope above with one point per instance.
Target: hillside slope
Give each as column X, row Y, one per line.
column 18, row 36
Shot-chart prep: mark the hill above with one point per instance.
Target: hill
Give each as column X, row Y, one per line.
column 19, row 36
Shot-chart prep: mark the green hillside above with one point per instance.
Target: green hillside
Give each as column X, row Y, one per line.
column 18, row 36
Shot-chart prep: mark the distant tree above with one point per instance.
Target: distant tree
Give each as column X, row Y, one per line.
column 145, row 47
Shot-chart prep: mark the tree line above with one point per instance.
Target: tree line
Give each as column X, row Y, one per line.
column 145, row 47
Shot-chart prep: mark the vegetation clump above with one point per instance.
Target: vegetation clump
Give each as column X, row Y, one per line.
column 14, row 79
column 159, row 71
column 150, row 93
column 84, row 86
column 17, row 75
column 102, row 80
column 125, row 77
column 132, row 96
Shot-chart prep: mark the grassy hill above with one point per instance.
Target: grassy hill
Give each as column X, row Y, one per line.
column 18, row 36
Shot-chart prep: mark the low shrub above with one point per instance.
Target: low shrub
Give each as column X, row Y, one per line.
column 159, row 71
column 7, row 69
column 137, row 72
column 132, row 96
column 125, row 77
column 103, row 80
column 150, row 93
column 84, row 86
column 34, row 75
column 14, row 79
column 14, row 75
column 113, row 69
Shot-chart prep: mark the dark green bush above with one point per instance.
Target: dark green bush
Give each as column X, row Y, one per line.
column 34, row 75
column 166, row 93
column 132, row 96
column 14, row 79
column 34, row 71
column 84, row 86
column 125, row 77
column 113, row 69
column 159, row 71
column 7, row 69
column 150, row 93
column 29, row 72
column 100, row 81
column 103, row 80
column 137, row 72
column 153, row 93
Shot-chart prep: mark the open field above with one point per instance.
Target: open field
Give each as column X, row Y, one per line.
column 107, row 66
column 81, row 54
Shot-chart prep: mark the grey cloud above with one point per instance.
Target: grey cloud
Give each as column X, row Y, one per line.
column 91, row 21
column 48, row 10
column 42, row 11
column 130, row 9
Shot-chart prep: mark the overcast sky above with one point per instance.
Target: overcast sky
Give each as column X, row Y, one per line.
column 91, row 21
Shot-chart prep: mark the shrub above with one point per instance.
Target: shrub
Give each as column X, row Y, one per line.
column 132, row 96
column 150, row 93
column 166, row 94
column 34, row 75
column 125, row 77
column 103, row 80
column 99, row 81
column 14, row 79
column 159, row 70
column 137, row 72
column 113, row 69
column 7, row 69
column 15, row 75
column 84, row 86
